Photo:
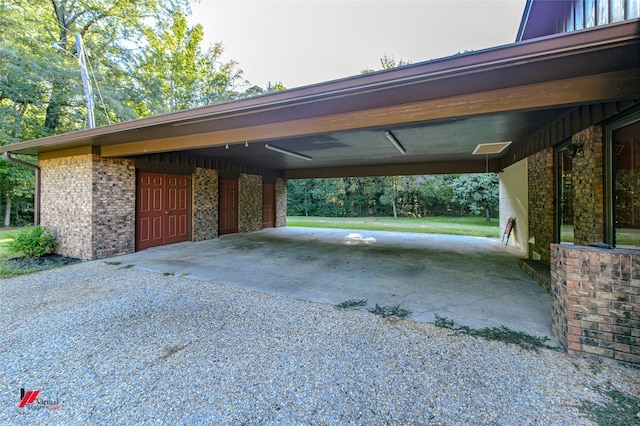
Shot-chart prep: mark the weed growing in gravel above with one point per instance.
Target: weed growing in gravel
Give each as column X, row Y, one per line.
column 167, row 273
column 127, row 266
column 501, row 334
column 622, row 410
column 352, row 303
column 112, row 263
column 390, row 311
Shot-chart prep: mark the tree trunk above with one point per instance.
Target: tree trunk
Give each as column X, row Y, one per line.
column 488, row 211
column 395, row 210
column 7, row 210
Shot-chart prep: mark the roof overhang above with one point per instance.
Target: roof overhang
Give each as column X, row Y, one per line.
column 438, row 110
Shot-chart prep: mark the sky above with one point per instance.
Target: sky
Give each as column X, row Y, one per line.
column 303, row 42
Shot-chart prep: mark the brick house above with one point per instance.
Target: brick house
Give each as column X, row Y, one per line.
column 557, row 114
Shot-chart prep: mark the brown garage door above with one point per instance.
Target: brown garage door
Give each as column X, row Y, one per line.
column 162, row 209
column 228, row 207
column 268, row 205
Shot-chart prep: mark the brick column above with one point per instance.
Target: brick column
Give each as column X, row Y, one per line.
column 281, row 202
column 596, row 302
column 249, row 203
column 588, row 183
column 88, row 202
column 540, row 171
column 204, row 204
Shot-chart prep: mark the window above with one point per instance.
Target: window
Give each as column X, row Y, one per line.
column 603, row 12
column 623, row 182
column 563, row 165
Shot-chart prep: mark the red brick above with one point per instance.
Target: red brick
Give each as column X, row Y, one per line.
column 574, row 346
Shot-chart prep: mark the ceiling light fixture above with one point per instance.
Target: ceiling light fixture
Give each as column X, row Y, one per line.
column 395, row 142
column 287, row 152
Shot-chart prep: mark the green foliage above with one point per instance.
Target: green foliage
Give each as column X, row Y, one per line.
column 477, row 192
column 408, row 196
column 620, row 409
column 33, row 242
column 501, row 334
column 390, row 311
column 352, row 303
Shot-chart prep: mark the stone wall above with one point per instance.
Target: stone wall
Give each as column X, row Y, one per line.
column 113, row 207
column 588, row 183
column 249, row 203
column 205, row 204
column 88, row 202
column 281, row 202
column 596, row 302
column 540, row 171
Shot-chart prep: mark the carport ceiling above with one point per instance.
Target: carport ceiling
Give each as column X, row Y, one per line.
column 441, row 141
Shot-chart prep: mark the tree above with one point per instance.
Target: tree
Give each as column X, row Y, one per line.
column 477, row 192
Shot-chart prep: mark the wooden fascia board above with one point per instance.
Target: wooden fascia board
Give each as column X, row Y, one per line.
column 433, row 168
column 579, row 90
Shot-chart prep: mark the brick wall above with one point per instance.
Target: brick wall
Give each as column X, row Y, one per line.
column 588, row 183
column 88, row 202
column 281, row 202
column 596, row 302
column 66, row 198
column 540, row 171
column 205, row 204
column 249, row 203
column 113, row 207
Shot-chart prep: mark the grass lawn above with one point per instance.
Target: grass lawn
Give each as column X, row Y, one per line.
column 9, row 268
column 475, row 226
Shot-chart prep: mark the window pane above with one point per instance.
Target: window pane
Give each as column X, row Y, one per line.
column 565, row 207
column 579, row 14
column 603, row 12
column 626, row 150
column 633, row 9
column 589, row 13
column 617, row 12
column 570, row 21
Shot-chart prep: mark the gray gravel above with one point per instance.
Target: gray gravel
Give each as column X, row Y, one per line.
column 112, row 345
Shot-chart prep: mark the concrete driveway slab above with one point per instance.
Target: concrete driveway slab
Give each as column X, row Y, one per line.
column 475, row 282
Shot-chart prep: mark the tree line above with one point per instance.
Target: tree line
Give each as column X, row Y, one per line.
column 143, row 59
column 409, row 196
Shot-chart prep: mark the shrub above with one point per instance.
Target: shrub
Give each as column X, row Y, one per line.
column 33, row 242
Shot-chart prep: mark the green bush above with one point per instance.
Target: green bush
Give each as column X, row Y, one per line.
column 33, row 242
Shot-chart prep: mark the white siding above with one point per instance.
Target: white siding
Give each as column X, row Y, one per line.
column 514, row 202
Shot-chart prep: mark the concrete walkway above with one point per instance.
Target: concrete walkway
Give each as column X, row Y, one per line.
column 473, row 281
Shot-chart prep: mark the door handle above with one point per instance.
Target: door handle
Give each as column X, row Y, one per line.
column 166, row 212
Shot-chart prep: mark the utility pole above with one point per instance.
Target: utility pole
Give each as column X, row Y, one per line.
column 85, row 81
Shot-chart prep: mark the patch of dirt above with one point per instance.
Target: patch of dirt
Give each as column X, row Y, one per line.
column 17, row 263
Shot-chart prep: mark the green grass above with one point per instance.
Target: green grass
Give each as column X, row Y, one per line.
column 475, row 226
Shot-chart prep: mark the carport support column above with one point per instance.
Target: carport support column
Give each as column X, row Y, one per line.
column 281, row 202
column 88, row 202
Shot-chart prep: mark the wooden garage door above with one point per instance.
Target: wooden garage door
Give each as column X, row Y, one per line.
column 228, row 209
column 162, row 209
column 268, row 205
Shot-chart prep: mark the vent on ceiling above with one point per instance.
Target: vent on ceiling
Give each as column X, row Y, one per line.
column 491, row 148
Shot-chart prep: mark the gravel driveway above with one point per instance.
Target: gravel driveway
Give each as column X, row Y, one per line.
column 107, row 344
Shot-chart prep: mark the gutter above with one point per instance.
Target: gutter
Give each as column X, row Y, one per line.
column 36, row 197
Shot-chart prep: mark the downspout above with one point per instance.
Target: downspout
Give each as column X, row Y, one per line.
column 36, row 197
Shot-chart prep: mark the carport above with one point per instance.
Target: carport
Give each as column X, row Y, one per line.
column 514, row 109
